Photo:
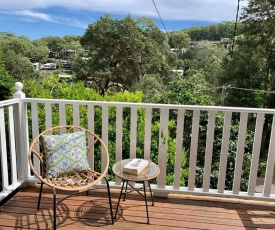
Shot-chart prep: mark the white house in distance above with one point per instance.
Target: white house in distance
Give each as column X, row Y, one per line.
column 49, row 66
column 177, row 71
column 36, row 65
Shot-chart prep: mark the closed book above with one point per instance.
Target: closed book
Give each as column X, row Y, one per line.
column 135, row 166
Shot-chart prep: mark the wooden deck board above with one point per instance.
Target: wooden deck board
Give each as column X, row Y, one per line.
column 176, row 212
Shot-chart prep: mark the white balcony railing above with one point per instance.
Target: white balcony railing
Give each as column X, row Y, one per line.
column 21, row 125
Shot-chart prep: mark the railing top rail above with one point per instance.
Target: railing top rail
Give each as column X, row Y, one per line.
column 151, row 105
column 9, row 102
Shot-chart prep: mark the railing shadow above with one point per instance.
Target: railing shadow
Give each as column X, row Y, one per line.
column 252, row 214
column 94, row 213
column 28, row 217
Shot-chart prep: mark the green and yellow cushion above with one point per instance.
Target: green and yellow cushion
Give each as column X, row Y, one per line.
column 65, row 153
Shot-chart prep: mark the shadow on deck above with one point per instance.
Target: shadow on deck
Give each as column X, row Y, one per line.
column 176, row 212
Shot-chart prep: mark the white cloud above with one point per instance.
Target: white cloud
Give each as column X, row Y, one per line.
column 71, row 22
column 206, row 10
column 33, row 15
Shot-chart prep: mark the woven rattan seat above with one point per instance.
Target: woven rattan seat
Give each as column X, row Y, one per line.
column 76, row 181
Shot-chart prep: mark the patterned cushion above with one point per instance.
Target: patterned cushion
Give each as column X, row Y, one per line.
column 65, row 153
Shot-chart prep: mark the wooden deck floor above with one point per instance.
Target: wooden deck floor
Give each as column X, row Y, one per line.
column 82, row 212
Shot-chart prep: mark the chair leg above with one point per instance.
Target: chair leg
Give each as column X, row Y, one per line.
column 110, row 200
column 39, row 198
column 54, row 209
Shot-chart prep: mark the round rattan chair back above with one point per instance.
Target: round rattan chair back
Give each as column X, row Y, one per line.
column 97, row 154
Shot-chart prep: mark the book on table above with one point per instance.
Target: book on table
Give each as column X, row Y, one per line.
column 135, row 166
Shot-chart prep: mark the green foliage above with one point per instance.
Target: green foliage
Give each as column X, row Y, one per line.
column 182, row 91
column 120, row 53
column 179, row 39
column 17, row 52
column 258, row 36
column 55, row 44
column 214, row 32
column 202, row 54
column 231, row 154
column 6, row 81
column 127, row 55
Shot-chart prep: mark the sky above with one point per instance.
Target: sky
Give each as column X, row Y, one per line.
column 38, row 18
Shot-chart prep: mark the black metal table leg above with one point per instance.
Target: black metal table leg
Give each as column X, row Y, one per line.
column 119, row 197
column 54, row 209
column 152, row 198
column 125, row 192
column 144, row 189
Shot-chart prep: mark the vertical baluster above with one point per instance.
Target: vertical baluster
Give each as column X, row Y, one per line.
column 209, row 150
column 91, row 117
column 3, row 148
column 133, row 132
column 224, row 150
column 62, row 114
column 270, row 162
column 119, row 119
column 105, row 129
column 12, row 146
column 76, row 115
column 163, row 141
column 256, row 154
column 178, row 157
column 240, row 152
column 147, row 135
column 193, row 150
column 35, row 132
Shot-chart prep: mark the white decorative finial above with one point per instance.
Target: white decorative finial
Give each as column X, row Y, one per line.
column 18, row 94
column 18, row 86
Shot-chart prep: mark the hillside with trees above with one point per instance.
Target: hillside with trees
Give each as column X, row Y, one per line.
column 215, row 32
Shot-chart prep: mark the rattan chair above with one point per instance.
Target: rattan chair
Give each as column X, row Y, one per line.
column 52, row 144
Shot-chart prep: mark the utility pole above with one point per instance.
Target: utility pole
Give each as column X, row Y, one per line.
column 223, row 94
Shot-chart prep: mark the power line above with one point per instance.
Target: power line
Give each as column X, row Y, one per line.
column 232, row 87
column 254, row 90
column 160, row 16
column 235, row 29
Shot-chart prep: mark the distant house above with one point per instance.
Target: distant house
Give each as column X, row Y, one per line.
column 176, row 50
column 66, row 64
column 65, row 76
column 49, row 66
column 36, row 65
column 177, row 71
column 215, row 42
column 225, row 40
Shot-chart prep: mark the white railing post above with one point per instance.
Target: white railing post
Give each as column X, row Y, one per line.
column 21, row 134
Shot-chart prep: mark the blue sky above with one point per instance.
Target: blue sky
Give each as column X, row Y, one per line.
column 38, row 18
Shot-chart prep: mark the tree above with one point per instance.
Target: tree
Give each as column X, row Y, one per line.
column 17, row 53
column 40, row 51
column 216, row 32
column 6, row 81
column 259, row 20
column 179, row 39
column 55, row 45
column 120, row 54
column 246, row 71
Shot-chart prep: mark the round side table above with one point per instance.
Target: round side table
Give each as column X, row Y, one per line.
column 149, row 173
